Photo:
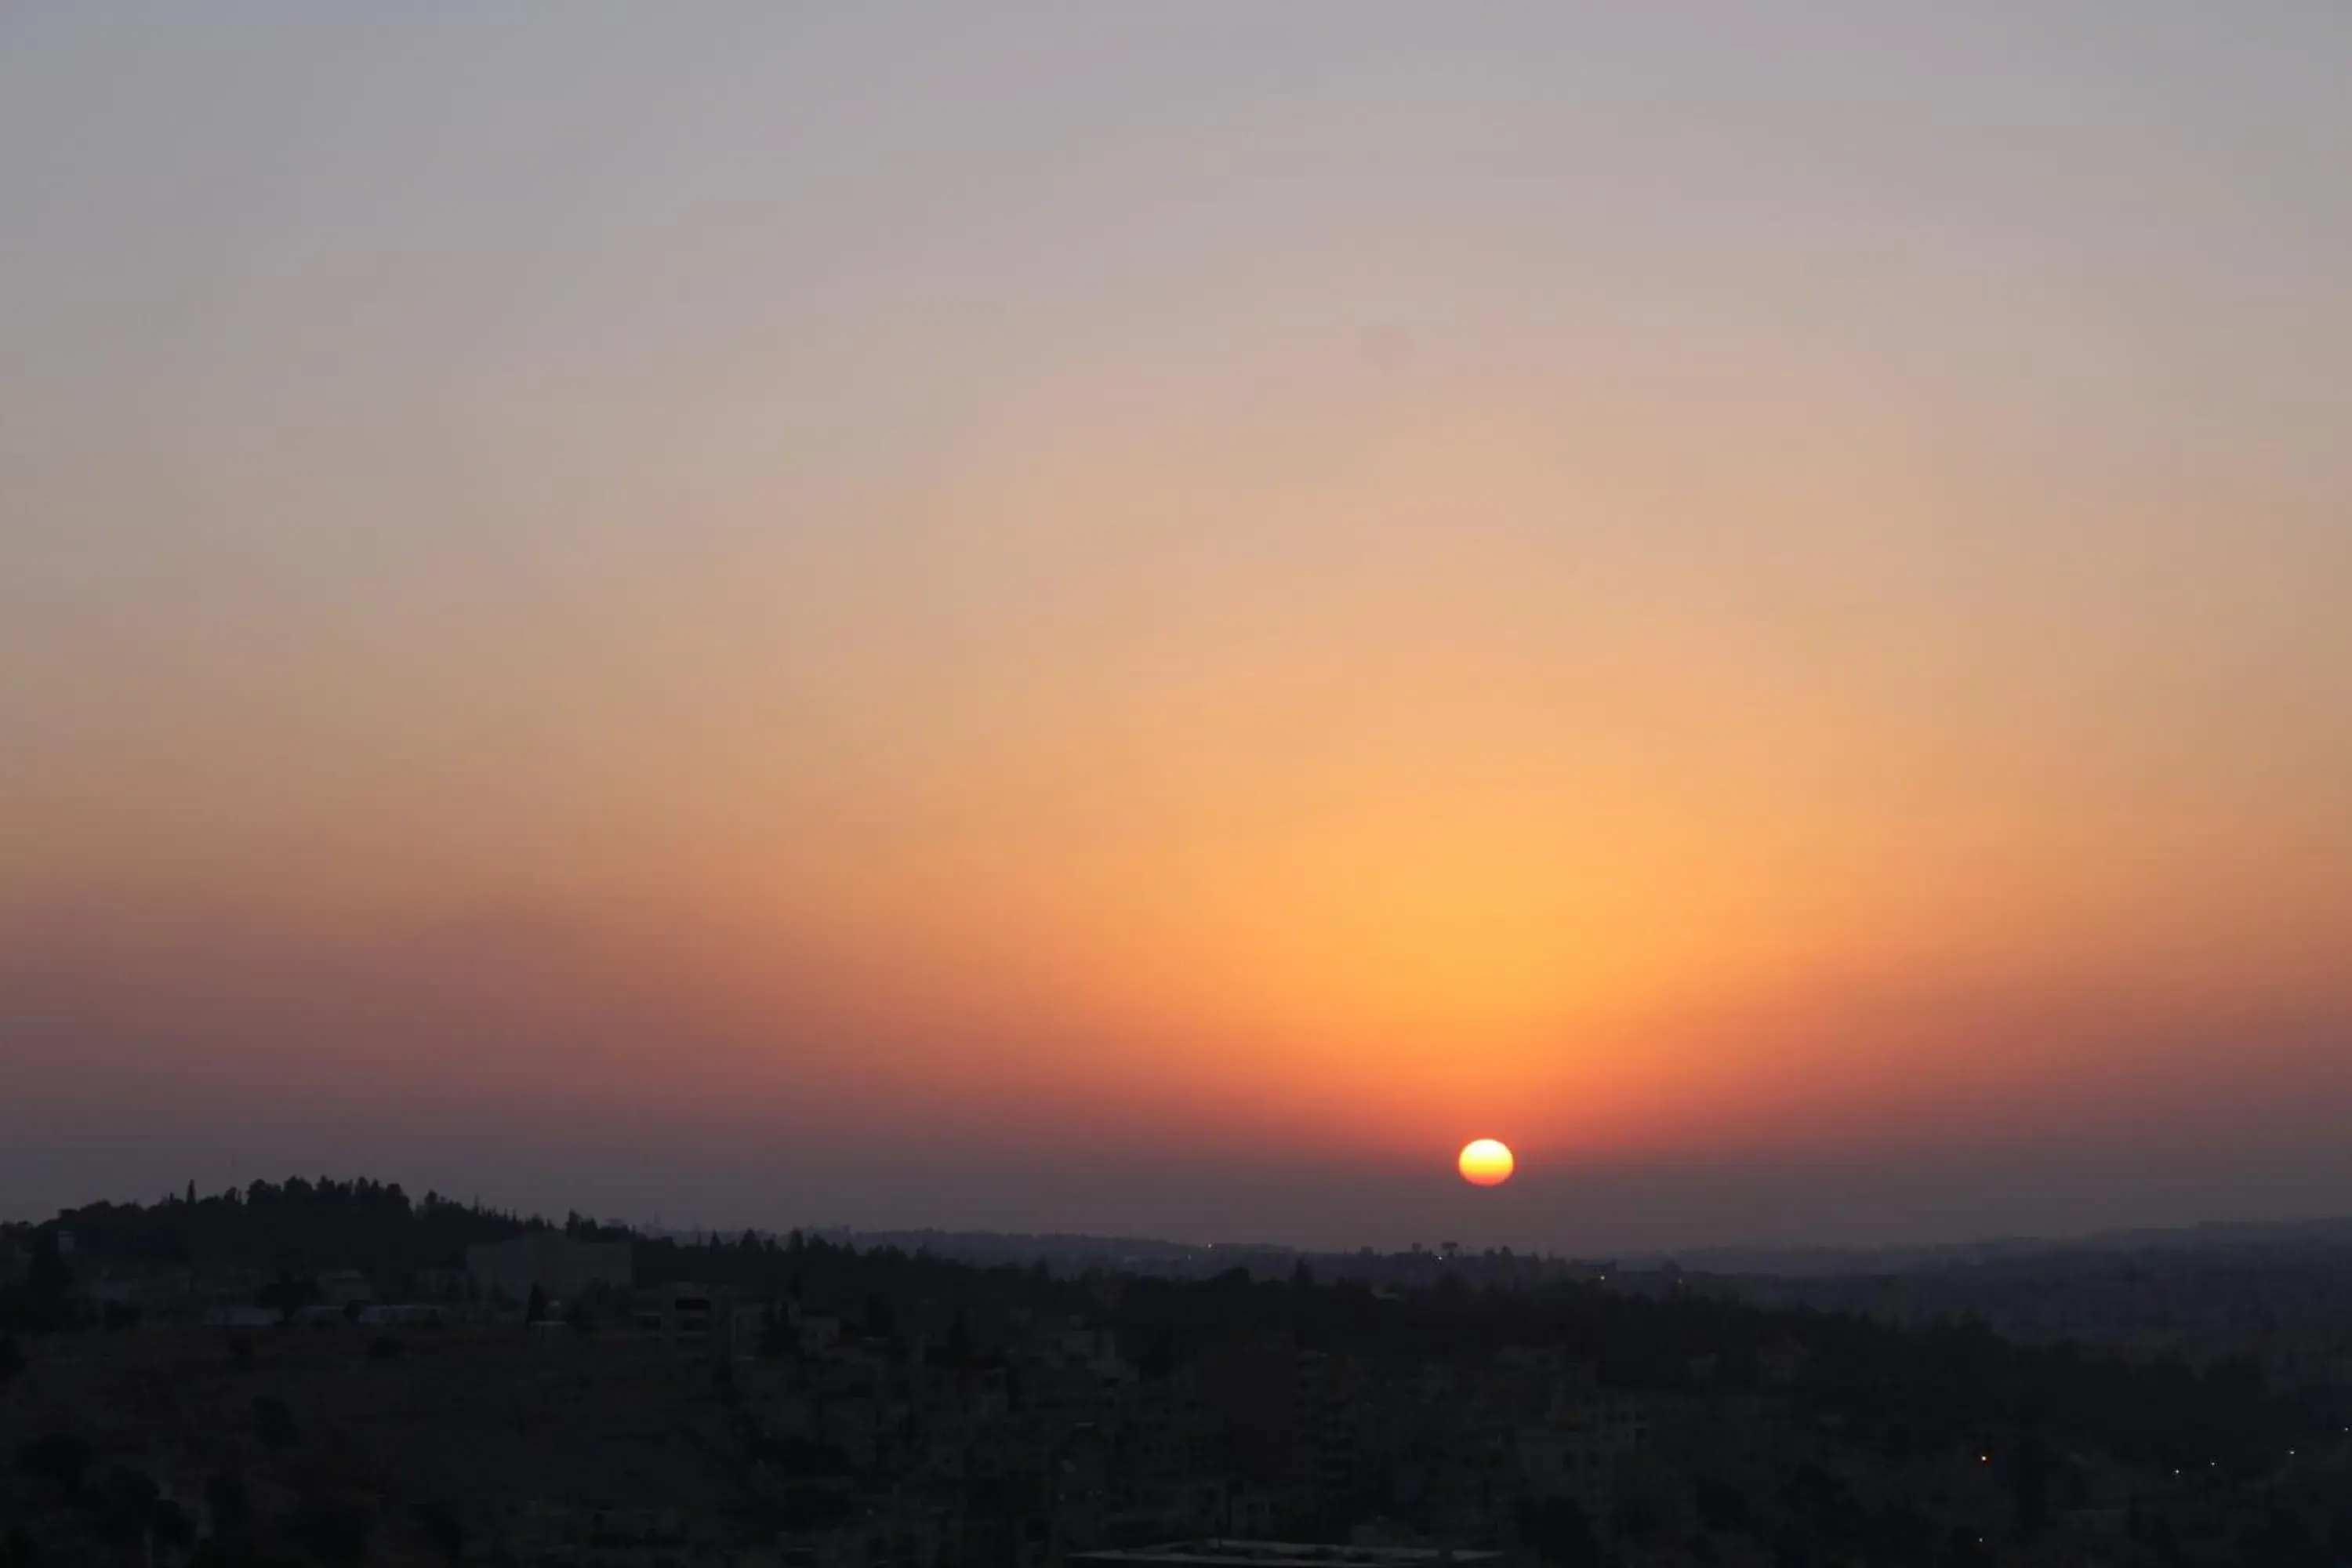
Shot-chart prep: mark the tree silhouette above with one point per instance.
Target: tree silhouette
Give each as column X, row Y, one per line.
column 1558, row 1530
column 61, row 1459
column 125, row 1508
column 273, row 1423
column 47, row 1279
column 331, row 1532
column 441, row 1530
column 230, row 1544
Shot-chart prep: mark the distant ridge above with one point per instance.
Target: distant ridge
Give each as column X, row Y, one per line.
column 1074, row 1250
column 1820, row 1261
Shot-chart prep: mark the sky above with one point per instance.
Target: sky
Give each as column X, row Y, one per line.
column 1145, row 618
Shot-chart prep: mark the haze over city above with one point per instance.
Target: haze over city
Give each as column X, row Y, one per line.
column 1147, row 620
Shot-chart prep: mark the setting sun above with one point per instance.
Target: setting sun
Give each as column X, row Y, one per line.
column 1486, row 1163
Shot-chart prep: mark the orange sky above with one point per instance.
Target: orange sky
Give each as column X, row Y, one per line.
column 1691, row 609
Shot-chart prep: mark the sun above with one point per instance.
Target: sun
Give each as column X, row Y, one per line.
column 1486, row 1163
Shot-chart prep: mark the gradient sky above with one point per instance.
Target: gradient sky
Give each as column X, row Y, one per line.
column 1145, row 618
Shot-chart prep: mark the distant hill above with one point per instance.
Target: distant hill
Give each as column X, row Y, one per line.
column 1076, row 1251
column 1821, row 1262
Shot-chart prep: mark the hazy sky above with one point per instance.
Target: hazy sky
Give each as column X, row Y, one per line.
column 1145, row 617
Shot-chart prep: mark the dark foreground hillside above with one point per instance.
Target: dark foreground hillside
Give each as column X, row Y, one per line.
column 332, row 1374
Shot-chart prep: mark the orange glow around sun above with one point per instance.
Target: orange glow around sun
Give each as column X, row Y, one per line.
column 1486, row 1163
